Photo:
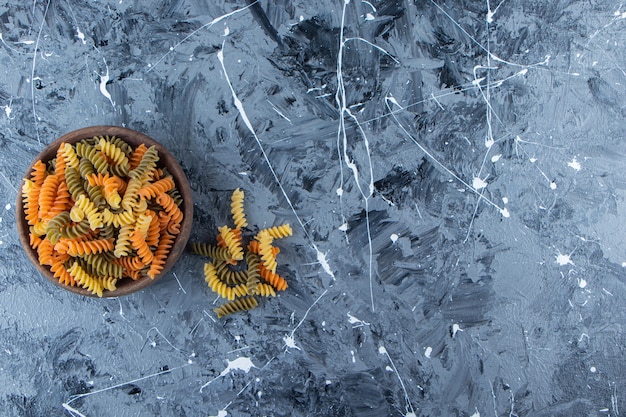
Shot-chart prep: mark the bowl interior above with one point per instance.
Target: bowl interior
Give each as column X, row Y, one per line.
column 166, row 160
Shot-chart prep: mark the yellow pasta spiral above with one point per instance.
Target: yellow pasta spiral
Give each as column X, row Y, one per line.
column 94, row 217
column 279, row 232
column 233, row 244
column 86, row 280
column 236, row 209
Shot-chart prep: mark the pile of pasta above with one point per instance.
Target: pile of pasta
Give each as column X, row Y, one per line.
column 240, row 271
column 102, row 211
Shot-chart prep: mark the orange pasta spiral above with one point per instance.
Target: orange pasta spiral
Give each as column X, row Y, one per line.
column 139, row 244
column 156, row 188
column 83, row 247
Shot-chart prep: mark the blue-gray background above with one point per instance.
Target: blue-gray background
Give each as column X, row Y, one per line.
column 456, row 183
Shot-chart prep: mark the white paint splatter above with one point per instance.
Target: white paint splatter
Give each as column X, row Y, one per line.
column 221, row 413
column 533, row 160
column 505, row 212
column 343, row 227
column 242, row 363
column 574, row 164
column 496, row 158
column 369, row 16
column 339, row 191
column 103, row 86
column 428, row 352
column 456, row 328
column 80, row 35
column 354, row 320
column 8, row 206
column 582, row 283
column 7, row 111
column 321, row 258
column 505, row 200
column 623, row 264
column 290, row 342
column 394, row 237
column 593, row 369
column 553, row 185
column 478, row 183
column 476, row 414
column 489, row 142
column 353, row 358
column 226, row 31
column 563, row 259
column 382, row 350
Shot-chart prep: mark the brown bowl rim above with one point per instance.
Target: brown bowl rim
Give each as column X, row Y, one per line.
column 134, row 138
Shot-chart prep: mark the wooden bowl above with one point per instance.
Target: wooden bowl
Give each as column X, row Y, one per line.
column 166, row 160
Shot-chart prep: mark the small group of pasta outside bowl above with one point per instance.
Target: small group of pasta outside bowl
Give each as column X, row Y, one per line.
column 32, row 228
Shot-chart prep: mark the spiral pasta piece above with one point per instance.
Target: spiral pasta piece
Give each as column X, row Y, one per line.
column 38, row 175
column 138, row 242
column 240, row 304
column 69, row 157
column 279, row 232
column 265, row 250
column 265, row 290
column 252, row 273
column 30, row 198
column 210, row 251
column 62, row 201
column 97, row 158
column 94, row 217
column 86, row 280
column 53, row 229
column 165, row 201
column 121, row 165
column 147, row 164
column 135, row 156
column 60, row 272
column 160, row 255
column 83, row 247
column 123, row 218
column 229, row 276
column 161, row 186
column 273, row 278
column 47, row 194
column 236, row 209
column 154, row 231
column 233, row 244
column 104, row 265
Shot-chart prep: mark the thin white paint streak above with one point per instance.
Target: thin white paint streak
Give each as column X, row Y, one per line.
column 342, row 137
column 307, row 312
column 244, row 116
column 32, row 71
column 143, row 378
column 179, row 284
column 408, row 406
column 373, row 46
column 390, row 99
column 206, row 25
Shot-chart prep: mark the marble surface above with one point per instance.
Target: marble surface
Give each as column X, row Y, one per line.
column 454, row 172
